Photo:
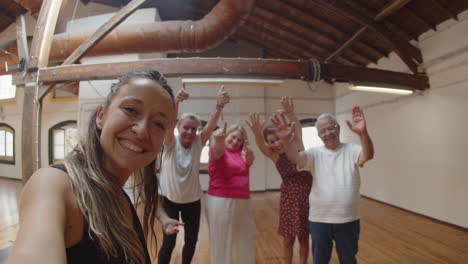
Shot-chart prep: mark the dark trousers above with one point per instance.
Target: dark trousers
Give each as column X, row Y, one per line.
column 190, row 213
column 346, row 238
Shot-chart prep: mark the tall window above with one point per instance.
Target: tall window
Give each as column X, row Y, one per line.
column 7, row 89
column 63, row 137
column 309, row 134
column 7, row 144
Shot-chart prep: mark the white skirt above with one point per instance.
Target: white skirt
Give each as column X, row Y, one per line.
column 232, row 230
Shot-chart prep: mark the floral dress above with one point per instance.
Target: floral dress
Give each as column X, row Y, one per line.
column 294, row 199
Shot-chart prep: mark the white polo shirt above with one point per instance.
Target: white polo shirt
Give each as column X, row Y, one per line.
column 179, row 179
column 334, row 197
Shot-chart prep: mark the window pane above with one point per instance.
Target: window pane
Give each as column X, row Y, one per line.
column 71, row 139
column 311, row 138
column 59, row 137
column 9, row 144
column 2, row 143
column 7, row 90
column 204, row 154
column 59, row 152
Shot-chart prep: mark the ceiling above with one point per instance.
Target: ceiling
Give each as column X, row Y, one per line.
column 347, row 32
column 9, row 10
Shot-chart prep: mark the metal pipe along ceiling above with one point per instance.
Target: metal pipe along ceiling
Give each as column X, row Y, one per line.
column 174, row 36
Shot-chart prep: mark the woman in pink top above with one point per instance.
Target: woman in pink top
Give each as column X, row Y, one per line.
column 228, row 209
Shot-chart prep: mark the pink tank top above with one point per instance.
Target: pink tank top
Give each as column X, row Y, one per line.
column 229, row 175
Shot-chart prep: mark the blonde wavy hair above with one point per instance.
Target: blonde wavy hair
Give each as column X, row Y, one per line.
column 99, row 195
column 241, row 129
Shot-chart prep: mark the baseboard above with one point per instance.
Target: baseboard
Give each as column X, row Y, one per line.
column 8, row 178
column 422, row 215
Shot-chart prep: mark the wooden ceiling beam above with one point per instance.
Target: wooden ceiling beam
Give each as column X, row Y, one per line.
column 283, row 34
column 419, row 19
column 268, row 46
column 296, row 69
column 39, row 57
column 103, row 30
column 346, row 45
column 400, row 47
column 264, row 37
column 293, row 12
column 389, row 9
column 355, row 74
column 301, row 32
column 445, row 10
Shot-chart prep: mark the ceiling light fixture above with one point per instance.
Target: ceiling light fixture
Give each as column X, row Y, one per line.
column 380, row 89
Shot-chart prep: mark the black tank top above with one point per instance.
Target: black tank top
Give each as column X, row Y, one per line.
column 87, row 251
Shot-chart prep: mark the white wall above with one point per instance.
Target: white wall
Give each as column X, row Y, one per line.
column 264, row 100
column 420, row 159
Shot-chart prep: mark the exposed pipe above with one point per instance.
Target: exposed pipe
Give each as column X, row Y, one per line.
column 175, row 36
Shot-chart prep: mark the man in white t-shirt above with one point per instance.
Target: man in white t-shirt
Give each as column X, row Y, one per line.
column 334, row 198
column 179, row 179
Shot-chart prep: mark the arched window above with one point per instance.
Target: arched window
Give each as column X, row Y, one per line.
column 309, row 133
column 7, row 144
column 63, row 137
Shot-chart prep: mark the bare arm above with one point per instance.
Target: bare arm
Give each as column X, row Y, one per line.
column 288, row 108
column 358, row 126
column 247, row 153
column 41, row 237
column 219, row 143
column 221, row 101
column 257, row 126
column 181, row 96
column 285, row 132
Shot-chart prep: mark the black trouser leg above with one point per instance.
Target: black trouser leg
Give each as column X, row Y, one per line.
column 169, row 241
column 191, row 217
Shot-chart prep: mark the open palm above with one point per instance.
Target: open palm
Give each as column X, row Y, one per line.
column 358, row 122
column 282, row 129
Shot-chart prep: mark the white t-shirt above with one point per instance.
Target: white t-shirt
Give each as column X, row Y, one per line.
column 179, row 179
column 334, row 197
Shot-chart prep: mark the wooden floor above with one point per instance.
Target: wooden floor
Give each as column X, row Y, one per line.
column 388, row 234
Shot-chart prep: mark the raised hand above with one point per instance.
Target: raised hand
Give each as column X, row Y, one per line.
column 223, row 98
column 247, row 153
column 255, row 124
column 282, row 129
column 182, row 95
column 220, row 133
column 287, row 104
column 358, row 122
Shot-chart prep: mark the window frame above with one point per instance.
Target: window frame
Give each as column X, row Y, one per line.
column 51, row 136
column 4, row 159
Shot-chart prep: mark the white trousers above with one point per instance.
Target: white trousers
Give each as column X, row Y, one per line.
column 232, row 230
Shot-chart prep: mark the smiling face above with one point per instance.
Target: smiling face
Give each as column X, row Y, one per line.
column 234, row 140
column 133, row 125
column 187, row 131
column 329, row 132
column 274, row 142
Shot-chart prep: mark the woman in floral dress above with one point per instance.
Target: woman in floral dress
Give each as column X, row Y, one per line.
column 296, row 185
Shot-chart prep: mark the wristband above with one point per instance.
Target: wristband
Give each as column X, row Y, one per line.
column 219, row 107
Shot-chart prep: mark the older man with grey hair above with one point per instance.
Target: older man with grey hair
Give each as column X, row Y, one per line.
column 334, row 198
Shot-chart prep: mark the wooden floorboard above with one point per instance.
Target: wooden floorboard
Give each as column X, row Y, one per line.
column 388, row 234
